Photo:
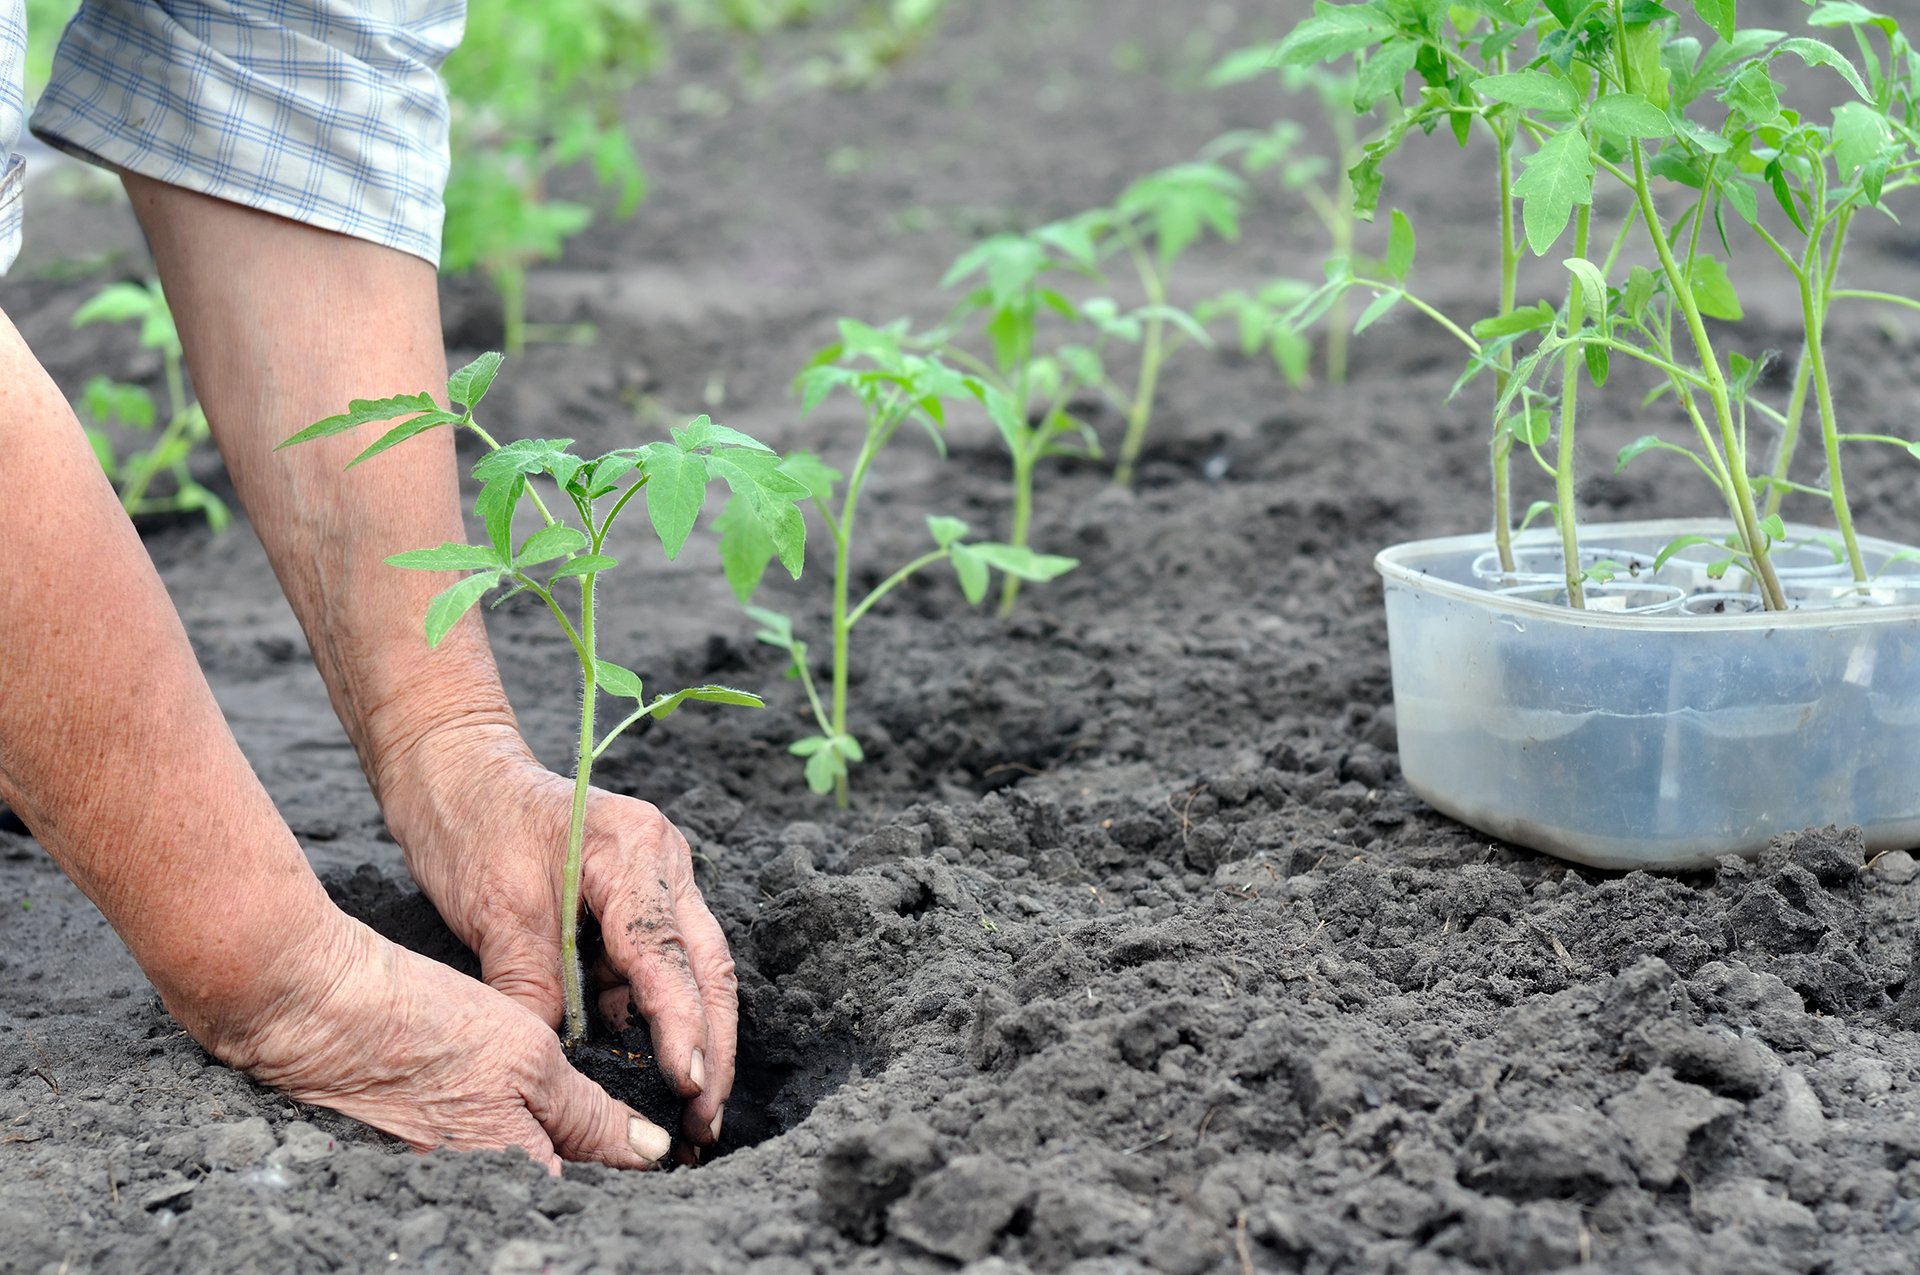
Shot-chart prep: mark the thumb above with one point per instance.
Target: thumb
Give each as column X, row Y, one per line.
column 586, row 1124
column 517, row 964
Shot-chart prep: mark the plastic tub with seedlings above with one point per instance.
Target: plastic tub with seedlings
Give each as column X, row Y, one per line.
column 1672, row 720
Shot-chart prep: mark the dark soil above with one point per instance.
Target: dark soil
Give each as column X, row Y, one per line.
column 1134, row 954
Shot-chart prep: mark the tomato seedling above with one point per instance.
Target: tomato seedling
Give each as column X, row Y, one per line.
column 894, row 386
column 105, row 404
column 559, row 555
column 1577, row 90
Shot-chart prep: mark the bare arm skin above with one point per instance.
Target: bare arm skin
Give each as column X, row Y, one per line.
column 282, row 325
column 115, row 754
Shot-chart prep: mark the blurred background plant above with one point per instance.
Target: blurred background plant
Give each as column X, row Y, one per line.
column 153, row 479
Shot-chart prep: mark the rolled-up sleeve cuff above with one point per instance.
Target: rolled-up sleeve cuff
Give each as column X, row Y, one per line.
column 326, row 112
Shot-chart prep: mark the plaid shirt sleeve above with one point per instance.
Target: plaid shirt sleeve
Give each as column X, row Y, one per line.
column 328, row 112
column 13, row 54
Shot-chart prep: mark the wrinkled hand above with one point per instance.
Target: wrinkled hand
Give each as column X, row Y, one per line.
column 485, row 835
column 411, row 1047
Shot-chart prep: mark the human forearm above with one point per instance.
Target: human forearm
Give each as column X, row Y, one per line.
column 283, row 324
column 111, row 746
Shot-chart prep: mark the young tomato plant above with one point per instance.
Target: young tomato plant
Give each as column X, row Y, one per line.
column 893, row 386
column 564, row 559
column 106, row 403
column 1027, row 389
column 1578, row 90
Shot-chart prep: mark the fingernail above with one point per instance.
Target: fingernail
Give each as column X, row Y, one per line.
column 718, row 1116
column 697, row 1070
column 647, row 1139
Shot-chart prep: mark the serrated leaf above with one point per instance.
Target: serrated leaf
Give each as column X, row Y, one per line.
column 495, row 505
column 1530, row 90
column 972, row 571
column 1629, row 115
column 676, row 492
column 617, row 680
column 704, row 432
column 449, row 557
column 469, row 385
column 451, row 603
column 529, row 456
column 1332, row 32
column 812, row 473
column 1860, row 136
column 710, row 694
column 1558, row 178
column 1819, row 53
column 1753, row 95
column 402, row 432
column 769, row 494
column 1400, row 247
column 554, row 541
column 364, row 411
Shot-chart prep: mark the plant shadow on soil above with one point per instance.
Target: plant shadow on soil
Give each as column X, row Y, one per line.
column 779, row 1078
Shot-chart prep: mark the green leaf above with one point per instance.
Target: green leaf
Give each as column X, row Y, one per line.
column 1718, row 14
column 666, row 704
column 554, row 541
column 769, row 494
column 469, row 385
column 1377, row 310
column 1773, row 527
column 824, row 770
column 1558, row 178
column 1641, row 446
column 495, row 504
column 676, row 492
column 1599, row 364
column 702, row 433
column 1593, row 288
column 972, row 570
column 616, row 680
column 365, row 411
column 1641, row 283
column 1333, row 31
column 849, row 747
column 450, row 604
column 585, row 564
column 1819, row 53
column 402, row 432
column 775, row 629
column 1024, row 563
column 1532, row 318
column 1713, row 290
column 449, row 557
column 813, row 474
column 1629, row 115
column 1861, row 135
column 810, row 745
column 946, row 530
column 1533, row 426
column 1753, row 95
column 530, row 456
column 117, row 303
column 745, row 549
column 1530, row 90
column 1400, row 247
column 1682, row 542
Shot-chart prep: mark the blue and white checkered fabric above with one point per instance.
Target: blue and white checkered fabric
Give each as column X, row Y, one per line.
column 13, row 55
column 328, row 112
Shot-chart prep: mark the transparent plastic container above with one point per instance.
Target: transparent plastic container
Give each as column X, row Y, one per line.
column 1657, row 734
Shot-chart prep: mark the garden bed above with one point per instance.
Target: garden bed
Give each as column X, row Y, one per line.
column 1134, row 951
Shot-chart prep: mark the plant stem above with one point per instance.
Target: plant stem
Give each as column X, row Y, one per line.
column 1022, row 522
column 1563, row 494
column 1813, row 312
column 877, row 437
column 888, row 585
column 571, row 974
column 1509, row 281
column 1140, row 414
column 511, row 283
column 1746, row 515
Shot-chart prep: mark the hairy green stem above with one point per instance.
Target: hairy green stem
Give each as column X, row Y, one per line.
column 1509, row 286
column 572, row 975
column 1813, row 313
column 1740, row 493
column 1563, row 493
column 1023, row 464
column 892, row 582
column 1140, row 413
